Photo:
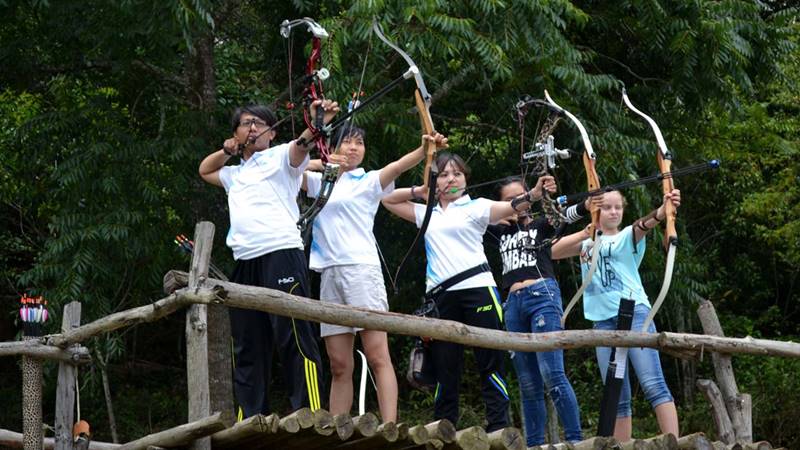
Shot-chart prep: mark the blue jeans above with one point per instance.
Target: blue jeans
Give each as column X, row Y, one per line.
column 537, row 309
column 643, row 360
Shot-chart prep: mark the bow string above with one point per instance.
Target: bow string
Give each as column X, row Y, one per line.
column 593, row 183
column 422, row 99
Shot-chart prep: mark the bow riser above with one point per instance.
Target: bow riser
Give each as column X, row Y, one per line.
column 593, row 182
column 427, row 128
column 670, row 233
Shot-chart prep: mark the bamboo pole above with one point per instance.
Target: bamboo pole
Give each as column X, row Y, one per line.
column 556, row 446
column 634, row 444
column 409, row 437
column 323, row 426
column 365, row 425
column 289, row 426
column 596, row 443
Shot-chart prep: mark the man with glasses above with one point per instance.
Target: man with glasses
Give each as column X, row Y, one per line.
column 268, row 249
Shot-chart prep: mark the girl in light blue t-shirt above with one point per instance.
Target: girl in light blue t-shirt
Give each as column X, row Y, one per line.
column 617, row 277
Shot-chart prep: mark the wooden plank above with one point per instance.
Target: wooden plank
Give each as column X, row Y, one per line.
column 197, row 370
column 66, row 390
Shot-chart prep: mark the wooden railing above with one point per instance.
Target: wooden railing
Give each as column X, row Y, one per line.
column 208, row 351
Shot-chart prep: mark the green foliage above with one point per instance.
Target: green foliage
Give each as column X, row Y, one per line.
column 103, row 124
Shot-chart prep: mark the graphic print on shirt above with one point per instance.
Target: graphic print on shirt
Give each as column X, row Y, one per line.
column 513, row 251
column 609, row 281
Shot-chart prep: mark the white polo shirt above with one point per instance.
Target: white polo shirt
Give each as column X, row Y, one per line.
column 262, row 201
column 454, row 241
column 343, row 229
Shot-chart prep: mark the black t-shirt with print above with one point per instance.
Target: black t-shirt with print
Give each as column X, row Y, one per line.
column 520, row 263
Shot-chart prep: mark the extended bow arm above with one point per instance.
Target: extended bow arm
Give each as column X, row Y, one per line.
column 664, row 158
column 593, row 182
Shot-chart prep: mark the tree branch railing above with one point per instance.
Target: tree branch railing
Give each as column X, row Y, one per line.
column 212, row 291
column 38, row 348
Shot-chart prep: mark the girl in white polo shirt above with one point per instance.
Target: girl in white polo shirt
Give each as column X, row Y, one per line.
column 344, row 250
column 454, row 249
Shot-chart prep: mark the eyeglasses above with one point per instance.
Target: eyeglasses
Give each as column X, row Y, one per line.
column 250, row 122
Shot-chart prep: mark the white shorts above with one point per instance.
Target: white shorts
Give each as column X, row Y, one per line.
column 359, row 285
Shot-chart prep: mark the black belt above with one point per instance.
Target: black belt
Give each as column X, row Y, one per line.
column 455, row 279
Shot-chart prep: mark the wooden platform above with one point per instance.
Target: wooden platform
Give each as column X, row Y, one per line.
column 308, row 430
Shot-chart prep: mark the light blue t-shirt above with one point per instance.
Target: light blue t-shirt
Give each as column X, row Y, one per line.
column 616, row 277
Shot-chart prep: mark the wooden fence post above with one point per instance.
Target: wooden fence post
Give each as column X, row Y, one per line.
column 723, row 370
column 208, row 342
column 66, row 389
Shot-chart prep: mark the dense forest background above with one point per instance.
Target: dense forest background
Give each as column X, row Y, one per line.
column 107, row 108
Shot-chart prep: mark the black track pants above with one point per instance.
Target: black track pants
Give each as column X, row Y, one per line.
column 479, row 307
column 257, row 334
